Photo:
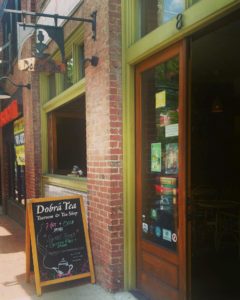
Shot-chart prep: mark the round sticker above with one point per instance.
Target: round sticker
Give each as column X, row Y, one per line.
column 174, row 237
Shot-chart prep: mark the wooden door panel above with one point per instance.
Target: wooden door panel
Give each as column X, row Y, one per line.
column 156, row 289
column 160, row 175
column 165, row 271
column 160, row 252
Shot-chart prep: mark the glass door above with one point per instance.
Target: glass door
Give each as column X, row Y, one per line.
column 161, row 174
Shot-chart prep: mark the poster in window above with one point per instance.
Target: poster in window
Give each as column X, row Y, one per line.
column 167, row 186
column 168, row 117
column 156, row 157
column 171, row 130
column 171, row 160
column 160, row 99
column 19, row 142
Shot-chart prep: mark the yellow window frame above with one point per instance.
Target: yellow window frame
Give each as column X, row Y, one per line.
column 62, row 97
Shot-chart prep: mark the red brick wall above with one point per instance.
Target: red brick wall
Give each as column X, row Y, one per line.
column 104, row 139
column 104, row 142
column 33, row 139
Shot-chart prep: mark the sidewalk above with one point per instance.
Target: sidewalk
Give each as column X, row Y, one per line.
column 12, row 273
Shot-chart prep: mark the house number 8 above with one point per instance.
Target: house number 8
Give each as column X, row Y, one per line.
column 179, row 23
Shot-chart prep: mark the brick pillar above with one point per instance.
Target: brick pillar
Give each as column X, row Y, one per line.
column 31, row 106
column 104, row 142
column 4, row 154
column 31, row 109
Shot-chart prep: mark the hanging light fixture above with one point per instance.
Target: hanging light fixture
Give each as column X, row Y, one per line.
column 3, row 95
column 217, row 105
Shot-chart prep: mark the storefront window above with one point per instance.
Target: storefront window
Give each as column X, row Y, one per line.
column 64, row 121
column 64, row 78
column 67, row 139
column 160, row 154
column 154, row 13
column 9, row 33
column 19, row 188
column 81, row 61
column 68, row 76
column 52, row 85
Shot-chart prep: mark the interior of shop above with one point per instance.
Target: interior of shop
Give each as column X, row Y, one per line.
column 67, row 127
column 215, row 162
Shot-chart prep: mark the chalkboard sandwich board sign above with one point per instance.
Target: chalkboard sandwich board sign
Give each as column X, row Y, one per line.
column 57, row 230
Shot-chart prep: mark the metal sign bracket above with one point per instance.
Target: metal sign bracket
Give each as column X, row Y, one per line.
column 54, row 32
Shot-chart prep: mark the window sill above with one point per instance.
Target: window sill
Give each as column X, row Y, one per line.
column 75, row 183
column 69, row 94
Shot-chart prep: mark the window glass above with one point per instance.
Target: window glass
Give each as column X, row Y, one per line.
column 67, row 139
column 153, row 13
column 68, row 76
column 160, row 154
column 194, row 1
column 15, row 150
column 81, row 61
column 52, row 85
column 9, row 33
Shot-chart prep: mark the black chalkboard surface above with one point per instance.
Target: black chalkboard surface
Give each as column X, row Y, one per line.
column 60, row 241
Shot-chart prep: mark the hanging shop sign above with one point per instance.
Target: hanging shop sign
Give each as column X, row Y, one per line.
column 56, row 229
column 25, row 30
column 34, row 64
column 19, row 141
column 9, row 113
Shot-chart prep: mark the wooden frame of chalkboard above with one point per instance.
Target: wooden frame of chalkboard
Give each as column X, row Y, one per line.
column 57, row 239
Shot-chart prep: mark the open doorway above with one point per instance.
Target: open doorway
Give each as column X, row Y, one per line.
column 215, row 163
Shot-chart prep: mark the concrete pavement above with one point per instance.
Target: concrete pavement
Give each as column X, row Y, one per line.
column 13, row 285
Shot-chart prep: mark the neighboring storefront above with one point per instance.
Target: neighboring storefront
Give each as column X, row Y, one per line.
column 12, row 128
column 116, row 128
column 19, row 170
